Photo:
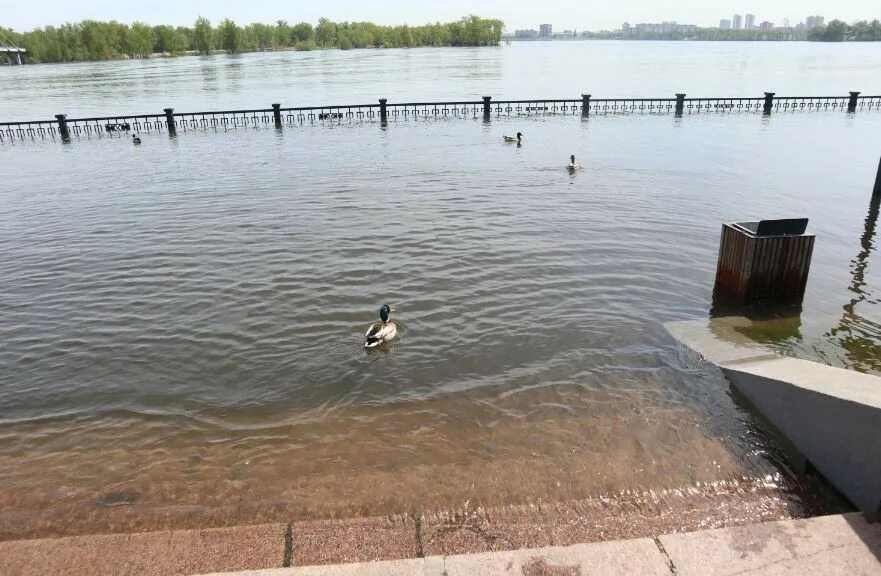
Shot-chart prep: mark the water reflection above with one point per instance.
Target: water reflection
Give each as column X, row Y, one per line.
column 519, row 71
column 235, row 71
column 209, row 74
column 859, row 336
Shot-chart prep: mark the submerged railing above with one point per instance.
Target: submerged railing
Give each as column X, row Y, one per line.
column 277, row 117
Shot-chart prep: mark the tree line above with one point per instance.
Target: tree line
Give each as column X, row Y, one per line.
column 838, row 31
column 93, row 40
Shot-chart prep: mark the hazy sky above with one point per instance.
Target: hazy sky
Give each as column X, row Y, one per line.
column 578, row 14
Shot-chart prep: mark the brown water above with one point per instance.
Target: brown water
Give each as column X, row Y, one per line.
column 181, row 321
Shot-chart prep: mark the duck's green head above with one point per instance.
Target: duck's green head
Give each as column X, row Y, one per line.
column 384, row 312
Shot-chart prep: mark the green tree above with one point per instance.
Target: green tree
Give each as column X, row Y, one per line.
column 97, row 40
column 282, row 34
column 230, row 35
column 203, row 35
column 257, row 36
column 403, row 36
column 92, row 40
column 139, row 40
column 166, row 39
column 325, row 33
column 163, row 38
column 344, row 41
column 864, row 31
column 835, row 31
column 184, row 38
column 302, row 32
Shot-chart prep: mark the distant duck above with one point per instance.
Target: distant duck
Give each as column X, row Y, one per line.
column 512, row 139
column 136, row 139
column 572, row 166
column 382, row 331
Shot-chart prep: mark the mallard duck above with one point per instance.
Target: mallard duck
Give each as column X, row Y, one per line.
column 136, row 139
column 572, row 166
column 512, row 139
column 381, row 331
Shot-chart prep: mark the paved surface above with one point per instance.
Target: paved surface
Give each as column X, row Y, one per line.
column 148, row 553
column 828, row 545
column 343, row 541
column 841, row 545
column 825, row 413
column 845, row 545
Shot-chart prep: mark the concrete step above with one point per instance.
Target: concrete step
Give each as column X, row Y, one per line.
column 834, row 545
column 839, row 545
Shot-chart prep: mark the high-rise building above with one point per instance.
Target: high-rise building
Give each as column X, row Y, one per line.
column 750, row 22
column 738, row 22
column 664, row 28
column 814, row 22
column 725, row 24
column 766, row 26
column 526, row 34
column 625, row 27
column 545, row 31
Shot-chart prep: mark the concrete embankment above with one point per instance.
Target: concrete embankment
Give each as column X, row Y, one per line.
column 831, row 417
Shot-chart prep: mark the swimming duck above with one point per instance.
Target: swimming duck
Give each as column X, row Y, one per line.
column 572, row 166
column 381, row 331
column 136, row 139
column 512, row 139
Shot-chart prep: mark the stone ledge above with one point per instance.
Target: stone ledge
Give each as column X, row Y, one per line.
column 840, row 545
column 831, row 545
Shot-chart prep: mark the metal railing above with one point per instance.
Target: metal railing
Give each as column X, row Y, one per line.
column 277, row 117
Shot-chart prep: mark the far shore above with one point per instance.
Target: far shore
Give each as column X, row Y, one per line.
column 187, row 53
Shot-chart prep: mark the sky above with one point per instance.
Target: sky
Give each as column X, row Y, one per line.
column 570, row 14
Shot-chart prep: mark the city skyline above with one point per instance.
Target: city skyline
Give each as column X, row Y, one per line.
column 743, row 22
column 561, row 14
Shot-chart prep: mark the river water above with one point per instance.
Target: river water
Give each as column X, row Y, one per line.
column 181, row 322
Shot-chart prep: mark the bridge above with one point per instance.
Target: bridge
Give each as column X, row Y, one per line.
column 11, row 53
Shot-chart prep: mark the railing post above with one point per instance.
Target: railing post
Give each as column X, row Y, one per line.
column 383, row 111
column 62, row 127
column 276, row 114
column 680, row 104
column 877, row 190
column 169, row 121
column 769, row 102
column 585, row 105
column 852, row 102
column 486, row 108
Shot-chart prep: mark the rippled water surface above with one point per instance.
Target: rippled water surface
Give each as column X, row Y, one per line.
column 181, row 322
column 606, row 69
